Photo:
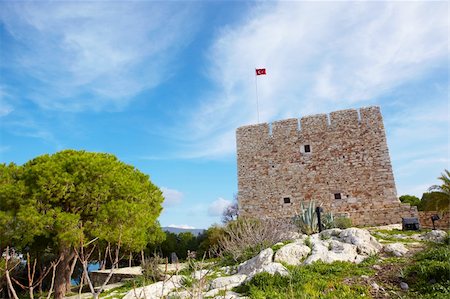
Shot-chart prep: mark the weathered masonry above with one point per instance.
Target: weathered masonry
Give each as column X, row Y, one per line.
column 339, row 160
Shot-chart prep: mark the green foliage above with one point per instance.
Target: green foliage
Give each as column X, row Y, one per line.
column 445, row 186
column 55, row 202
column 306, row 220
column 430, row 271
column 210, row 241
column 318, row 280
column 75, row 194
column 411, row 199
column 342, row 222
column 434, row 201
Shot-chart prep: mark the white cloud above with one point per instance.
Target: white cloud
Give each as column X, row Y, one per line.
column 319, row 57
column 217, row 207
column 171, row 196
column 95, row 55
column 183, row 226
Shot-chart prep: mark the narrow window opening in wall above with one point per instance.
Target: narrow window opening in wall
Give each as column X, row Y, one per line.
column 307, row 148
column 337, row 196
column 287, row 200
column 270, row 129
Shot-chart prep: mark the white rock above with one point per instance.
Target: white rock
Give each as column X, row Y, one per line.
column 329, row 251
column 437, row 236
column 199, row 274
column 226, row 281
column 156, row 290
column 366, row 243
column 292, row 253
column 404, row 286
column 257, row 262
column 332, row 232
column 274, row 268
column 230, row 295
column 375, row 286
column 395, row 249
column 229, row 270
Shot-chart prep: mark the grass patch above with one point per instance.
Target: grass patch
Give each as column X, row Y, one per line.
column 319, row 280
column 429, row 274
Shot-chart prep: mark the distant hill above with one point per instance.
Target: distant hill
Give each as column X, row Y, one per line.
column 176, row 230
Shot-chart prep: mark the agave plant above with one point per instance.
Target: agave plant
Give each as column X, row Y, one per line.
column 306, row 220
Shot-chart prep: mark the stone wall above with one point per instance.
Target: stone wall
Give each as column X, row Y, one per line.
column 340, row 160
column 425, row 219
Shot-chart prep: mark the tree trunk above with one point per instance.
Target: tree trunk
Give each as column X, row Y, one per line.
column 69, row 277
column 63, row 272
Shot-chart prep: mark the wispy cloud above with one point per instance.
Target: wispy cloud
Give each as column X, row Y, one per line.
column 172, row 197
column 94, row 55
column 217, row 207
column 319, row 57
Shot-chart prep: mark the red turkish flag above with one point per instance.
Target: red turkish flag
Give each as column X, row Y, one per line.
column 260, row 72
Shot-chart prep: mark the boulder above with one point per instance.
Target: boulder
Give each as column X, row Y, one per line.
column 226, row 281
column 257, row 262
column 332, row 232
column 229, row 270
column 366, row 244
column 437, row 236
column 156, row 290
column 292, row 253
column 330, row 251
column 273, row 268
column 395, row 249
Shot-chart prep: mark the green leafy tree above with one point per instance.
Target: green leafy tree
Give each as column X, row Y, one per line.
column 445, row 186
column 75, row 196
column 411, row 199
column 434, row 201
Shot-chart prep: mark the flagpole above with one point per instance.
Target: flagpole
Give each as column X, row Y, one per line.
column 256, row 89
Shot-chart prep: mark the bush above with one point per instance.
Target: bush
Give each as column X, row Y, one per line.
column 151, row 269
column 342, row 222
column 244, row 238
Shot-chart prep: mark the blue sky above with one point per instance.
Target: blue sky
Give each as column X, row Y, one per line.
column 164, row 85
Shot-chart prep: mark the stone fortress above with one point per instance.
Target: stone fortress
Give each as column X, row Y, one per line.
column 340, row 161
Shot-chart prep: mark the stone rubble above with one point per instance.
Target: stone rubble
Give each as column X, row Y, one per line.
column 352, row 245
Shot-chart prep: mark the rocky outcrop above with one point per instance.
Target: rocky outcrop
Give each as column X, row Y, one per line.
column 292, row 254
column 395, row 249
column 262, row 263
column 349, row 245
column 156, row 290
column 437, row 236
column 228, row 282
column 365, row 243
column 257, row 262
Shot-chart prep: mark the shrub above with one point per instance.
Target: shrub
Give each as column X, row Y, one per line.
column 342, row 222
column 246, row 237
column 151, row 269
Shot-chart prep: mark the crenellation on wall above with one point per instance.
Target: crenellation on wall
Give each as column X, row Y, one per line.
column 314, row 123
column 285, row 128
column 349, row 157
column 344, row 119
